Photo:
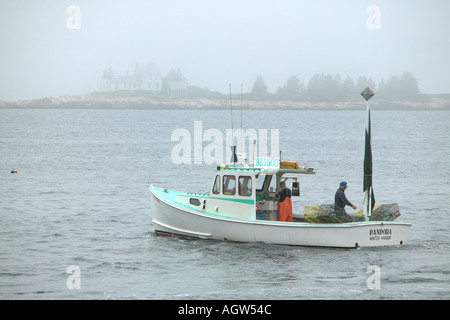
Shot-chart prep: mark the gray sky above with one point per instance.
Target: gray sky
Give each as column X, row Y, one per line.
column 215, row 42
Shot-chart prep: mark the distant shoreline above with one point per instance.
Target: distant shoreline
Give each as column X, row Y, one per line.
column 130, row 101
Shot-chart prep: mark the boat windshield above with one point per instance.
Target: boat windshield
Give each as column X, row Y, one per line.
column 268, row 181
column 229, row 185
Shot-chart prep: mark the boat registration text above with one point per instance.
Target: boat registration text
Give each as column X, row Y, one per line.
column 380, row 234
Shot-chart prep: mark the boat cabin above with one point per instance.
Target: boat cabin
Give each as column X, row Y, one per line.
column 249, row 193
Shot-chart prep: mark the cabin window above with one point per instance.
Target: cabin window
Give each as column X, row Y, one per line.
column 229, row 185
column 216, row 187
column 245, row 186
column 194, row 201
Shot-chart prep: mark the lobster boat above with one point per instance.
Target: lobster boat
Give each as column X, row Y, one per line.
column 241, row 205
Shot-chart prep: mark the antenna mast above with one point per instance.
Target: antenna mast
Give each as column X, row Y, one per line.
column 231, row 109
column 233, row 147
column 242, row 133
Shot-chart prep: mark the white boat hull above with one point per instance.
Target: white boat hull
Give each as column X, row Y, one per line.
column 170, row 219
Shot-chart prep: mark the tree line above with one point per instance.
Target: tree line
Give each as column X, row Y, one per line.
column 333, row 88
column 326, row 88
column 320, row 88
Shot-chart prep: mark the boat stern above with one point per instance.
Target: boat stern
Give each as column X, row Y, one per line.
column 380, row 234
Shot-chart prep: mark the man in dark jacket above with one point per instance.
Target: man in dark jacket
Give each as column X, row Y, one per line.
column 340, row 201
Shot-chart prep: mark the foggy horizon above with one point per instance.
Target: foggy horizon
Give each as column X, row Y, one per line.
column 47, row 50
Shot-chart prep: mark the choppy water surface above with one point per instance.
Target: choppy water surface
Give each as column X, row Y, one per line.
column 80, row 198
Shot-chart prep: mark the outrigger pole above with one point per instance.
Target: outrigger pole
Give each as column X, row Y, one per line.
column 369, row 198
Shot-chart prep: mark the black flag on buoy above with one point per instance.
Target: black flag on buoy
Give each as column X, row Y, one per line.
column 367, row 93
column 369, row 198
column 234, row 158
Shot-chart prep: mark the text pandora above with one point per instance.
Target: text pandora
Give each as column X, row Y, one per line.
column 380, row 234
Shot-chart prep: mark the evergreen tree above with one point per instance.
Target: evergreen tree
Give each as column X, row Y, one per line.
column 293, row 89
column 404, row 87
column 324, row 87
column 408, row 86
column 175, row 75
column 259, row 89
column 348, row 89
column 381, row 87
column 364, row 82
column 392, row 86
column 313, row 90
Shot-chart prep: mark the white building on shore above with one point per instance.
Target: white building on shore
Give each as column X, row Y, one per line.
column 146, row 78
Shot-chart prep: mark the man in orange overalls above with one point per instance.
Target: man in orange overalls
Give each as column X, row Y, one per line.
column 284, row 203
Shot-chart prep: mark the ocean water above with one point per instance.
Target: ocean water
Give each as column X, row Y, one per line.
column 75, row 221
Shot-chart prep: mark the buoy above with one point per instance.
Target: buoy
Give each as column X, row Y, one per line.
column 14, row 171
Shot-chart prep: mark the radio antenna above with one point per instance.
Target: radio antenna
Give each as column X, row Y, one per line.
column 233, row 147
column 231, row 109
column 242, row 131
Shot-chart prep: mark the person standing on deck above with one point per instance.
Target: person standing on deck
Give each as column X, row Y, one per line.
column 340, row 201
column 284, row 203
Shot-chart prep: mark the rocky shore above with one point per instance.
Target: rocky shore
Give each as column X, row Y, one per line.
column 102, row 101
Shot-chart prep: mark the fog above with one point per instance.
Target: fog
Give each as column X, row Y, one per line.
column 47, row 51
